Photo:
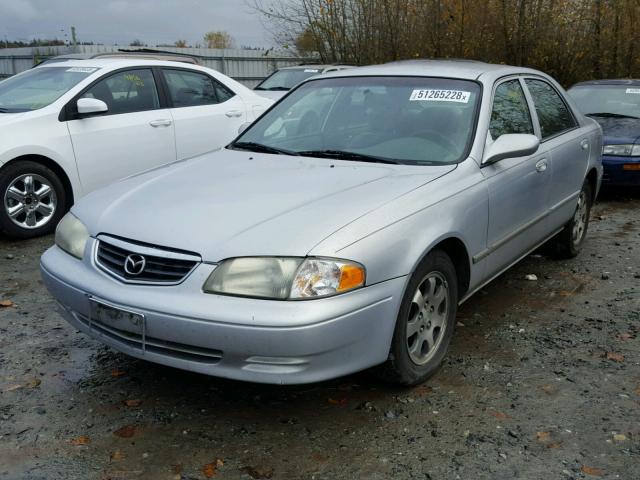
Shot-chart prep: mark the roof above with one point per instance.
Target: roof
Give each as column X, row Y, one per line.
column 317, row 66
column 612, row 81
column 107, row 62
column 464, row 69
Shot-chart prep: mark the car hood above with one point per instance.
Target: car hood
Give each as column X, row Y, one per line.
column 231, row 203
column 619, row 130
column 8, row 118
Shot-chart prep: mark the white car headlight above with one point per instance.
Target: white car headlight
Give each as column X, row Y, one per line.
column 285, row 278
column 621, row 150
column 72, row 235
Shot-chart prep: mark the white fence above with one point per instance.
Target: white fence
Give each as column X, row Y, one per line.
column 245, row 66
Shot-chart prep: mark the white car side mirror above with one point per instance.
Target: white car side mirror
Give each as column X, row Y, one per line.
column 511, row 145
column 91, row 105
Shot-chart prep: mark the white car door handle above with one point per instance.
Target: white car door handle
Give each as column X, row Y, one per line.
column 160, row 123
column 584, row 144
column 541, row 166
column 233, row 113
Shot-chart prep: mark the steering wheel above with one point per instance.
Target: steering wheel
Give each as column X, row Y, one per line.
column 440, row 138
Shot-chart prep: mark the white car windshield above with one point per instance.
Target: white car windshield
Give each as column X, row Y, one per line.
column 608, row 100
column 39, row 87
column 288, row 78
column 408, row 120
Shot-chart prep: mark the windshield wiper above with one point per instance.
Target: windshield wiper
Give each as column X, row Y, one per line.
column 259, row 147
column 610, row 115
column 283, row 89
column 4, row 110
column 344, row 155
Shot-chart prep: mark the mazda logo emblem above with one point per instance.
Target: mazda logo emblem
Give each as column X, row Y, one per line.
column 134, row 264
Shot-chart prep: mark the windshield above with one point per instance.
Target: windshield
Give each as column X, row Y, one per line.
column 287, row 79
column 608, row 99
column 409, row 120
column 39, row 87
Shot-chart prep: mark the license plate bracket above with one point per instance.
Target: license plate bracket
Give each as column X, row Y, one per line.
column 117, row 319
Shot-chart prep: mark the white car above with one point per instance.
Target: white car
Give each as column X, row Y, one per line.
column 72, row 126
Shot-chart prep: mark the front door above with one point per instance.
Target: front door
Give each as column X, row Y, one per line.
column 134, row 135
column 518, row 187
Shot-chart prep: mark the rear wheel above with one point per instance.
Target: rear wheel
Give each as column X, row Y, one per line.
column 425, row 323
column 33, row 200
column 568, row 243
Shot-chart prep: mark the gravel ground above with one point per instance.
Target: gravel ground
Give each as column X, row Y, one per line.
column 542, row 381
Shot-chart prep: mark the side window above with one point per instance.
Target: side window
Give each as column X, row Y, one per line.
column 553, row 113
column 127, row 91
column 190, row 89
column 510, row 112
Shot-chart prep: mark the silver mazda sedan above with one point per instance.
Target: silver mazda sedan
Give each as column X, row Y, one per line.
column 340, row 231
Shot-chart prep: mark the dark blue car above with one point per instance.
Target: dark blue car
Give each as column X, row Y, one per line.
column 615, row 105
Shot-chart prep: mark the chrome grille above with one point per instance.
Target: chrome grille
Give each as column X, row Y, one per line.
column 161, row 266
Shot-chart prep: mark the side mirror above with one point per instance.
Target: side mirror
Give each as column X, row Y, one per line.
column 87, row 106
column 243, row 127
column 511, row 145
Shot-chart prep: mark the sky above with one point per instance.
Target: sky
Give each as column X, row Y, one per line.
column 122, row 21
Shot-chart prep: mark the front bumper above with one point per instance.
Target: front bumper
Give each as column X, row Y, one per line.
column 615, row 173
column 281, row 342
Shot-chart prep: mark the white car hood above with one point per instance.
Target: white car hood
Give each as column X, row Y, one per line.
column 233, row 203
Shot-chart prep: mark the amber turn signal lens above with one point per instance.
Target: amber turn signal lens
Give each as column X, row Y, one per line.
column 351, row 276
column 631, row 166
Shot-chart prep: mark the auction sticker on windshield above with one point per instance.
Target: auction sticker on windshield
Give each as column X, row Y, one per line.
column 433, row 95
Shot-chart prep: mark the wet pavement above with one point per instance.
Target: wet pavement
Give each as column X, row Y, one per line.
column 542, row 381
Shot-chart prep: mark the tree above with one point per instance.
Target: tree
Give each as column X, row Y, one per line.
column 181, row 44
column 307, row 42
column 137, row 43
column 218, row 39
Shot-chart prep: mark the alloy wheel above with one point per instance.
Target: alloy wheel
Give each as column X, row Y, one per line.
column 30, row 201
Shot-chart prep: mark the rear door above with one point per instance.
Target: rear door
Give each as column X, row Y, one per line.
column 568, row 145
column 134, row 135
column 518, row 187
column 207, row 114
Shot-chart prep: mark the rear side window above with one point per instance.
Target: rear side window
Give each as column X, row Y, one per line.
column 191, row 89
column 510, row 112
column 126, row 92
column 553, row 113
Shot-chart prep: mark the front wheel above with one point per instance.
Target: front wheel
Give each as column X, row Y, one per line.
column 569, row 241
column 33, row 200
column 425, row 323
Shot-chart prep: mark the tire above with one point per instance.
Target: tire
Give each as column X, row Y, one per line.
column 413, row 357
column 32, row 200
column 568, row 243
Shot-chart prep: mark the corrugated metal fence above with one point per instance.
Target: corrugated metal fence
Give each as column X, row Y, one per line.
column 245, row 66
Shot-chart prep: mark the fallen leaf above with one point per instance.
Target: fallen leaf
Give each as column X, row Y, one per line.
column 117, row 373
column 258, row 473
column 554, row 445
column 619, row 437
column 11, row 388
column 33, row 383
column 616, row 357
column 134, row 403
column 637, row 391
column 341, row 401
column 117, row 455
column 625, row 336
column 597, row 472
column 177, row 469
column 81, row 440
column 548, row 389
column 6, row 304
column 209, row 470
column 542, row 436
column 500, row 415
column 318, row 457
column 127, row 431
column 422, row 390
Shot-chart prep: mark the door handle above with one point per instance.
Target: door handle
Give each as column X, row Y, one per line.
column 584, row 144
column 233, row 113
column 160, row 123
column 541, row 166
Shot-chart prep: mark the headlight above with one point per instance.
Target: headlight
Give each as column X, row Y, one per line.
column 72, row 235
column 621, row 150
column 285, row 278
